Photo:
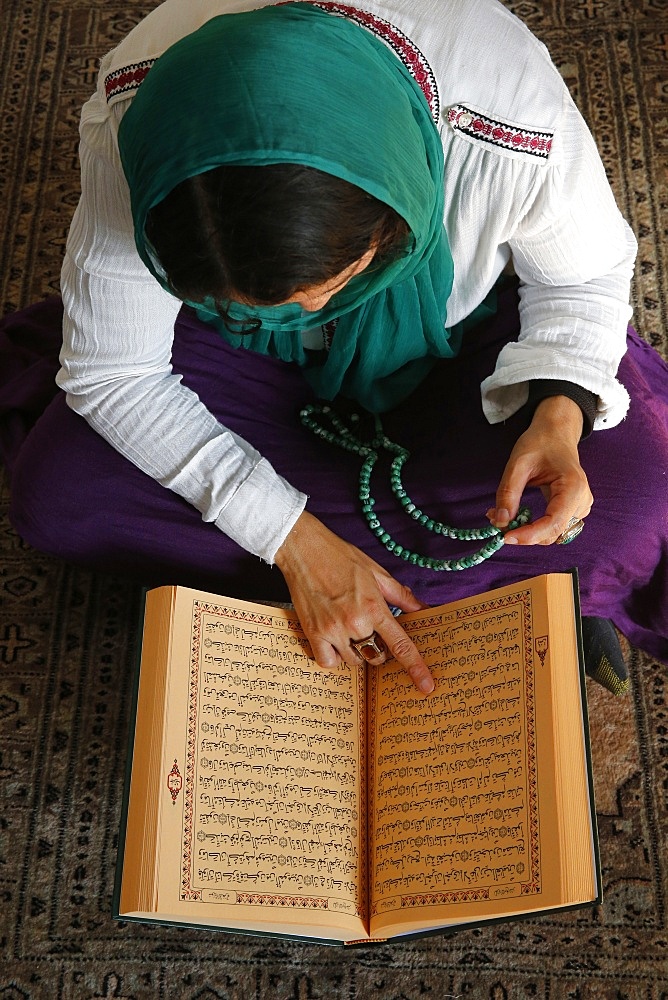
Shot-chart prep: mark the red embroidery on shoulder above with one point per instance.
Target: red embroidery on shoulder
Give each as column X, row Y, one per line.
column 125, row 79
column 521, row 140
column 408, row 52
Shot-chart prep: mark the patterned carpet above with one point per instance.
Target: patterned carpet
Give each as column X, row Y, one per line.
column 67, row 637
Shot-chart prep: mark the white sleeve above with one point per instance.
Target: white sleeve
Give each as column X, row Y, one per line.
column 574, row 255
column 116, row 365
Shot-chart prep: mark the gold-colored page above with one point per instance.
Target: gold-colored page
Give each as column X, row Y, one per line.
column 576, row 808
column 463, row 825
column 262, row 822
column 138, row 882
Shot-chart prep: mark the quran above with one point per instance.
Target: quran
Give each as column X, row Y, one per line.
column 268, row 795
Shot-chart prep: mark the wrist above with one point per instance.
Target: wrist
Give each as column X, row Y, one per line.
column 542, row 388
column 286, row 552
column 560, row 415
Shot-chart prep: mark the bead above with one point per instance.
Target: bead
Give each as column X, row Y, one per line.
column 340, row 434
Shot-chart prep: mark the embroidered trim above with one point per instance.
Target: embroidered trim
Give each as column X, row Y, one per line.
column 502, row 134
column 407, row 51
column 328, row 331
column 125, row 79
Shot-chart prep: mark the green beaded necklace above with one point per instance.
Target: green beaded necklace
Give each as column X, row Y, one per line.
column 343, row 436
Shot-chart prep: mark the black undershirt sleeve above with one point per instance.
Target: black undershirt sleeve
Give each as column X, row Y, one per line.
column 543, row 388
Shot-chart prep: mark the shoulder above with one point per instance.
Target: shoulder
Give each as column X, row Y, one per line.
column 486, row 77
column 123, row 69
column 494, row 81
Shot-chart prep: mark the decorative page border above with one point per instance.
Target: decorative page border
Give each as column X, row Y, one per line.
column 293, row 902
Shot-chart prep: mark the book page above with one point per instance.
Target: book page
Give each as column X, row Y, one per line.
column 462, row 784
column 262, row 820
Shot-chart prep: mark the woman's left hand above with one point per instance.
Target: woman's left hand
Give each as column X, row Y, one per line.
column 546, row 455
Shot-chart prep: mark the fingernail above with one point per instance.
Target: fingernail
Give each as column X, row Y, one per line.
column 426, row 684
column 510, row 540
column 502, row 518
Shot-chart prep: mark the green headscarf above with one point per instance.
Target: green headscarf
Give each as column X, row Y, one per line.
column 295, row 84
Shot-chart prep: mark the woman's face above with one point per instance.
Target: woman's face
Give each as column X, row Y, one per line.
column 317, row 296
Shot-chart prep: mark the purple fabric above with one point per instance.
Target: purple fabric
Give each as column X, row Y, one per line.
column 75, row 497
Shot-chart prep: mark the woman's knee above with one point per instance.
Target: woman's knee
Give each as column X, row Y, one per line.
column 54, row 483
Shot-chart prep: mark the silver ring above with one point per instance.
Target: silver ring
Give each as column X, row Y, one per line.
column 370, row 648
column 573, row 529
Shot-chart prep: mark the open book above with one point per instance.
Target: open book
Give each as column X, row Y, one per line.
column 269, row 795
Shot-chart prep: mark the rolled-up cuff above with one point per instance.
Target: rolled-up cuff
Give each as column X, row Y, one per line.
column 262, row 512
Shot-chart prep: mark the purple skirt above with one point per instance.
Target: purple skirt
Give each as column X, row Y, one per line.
column 74, row 496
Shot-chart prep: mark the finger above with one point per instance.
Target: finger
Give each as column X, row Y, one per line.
column 406, row 654
column 509, row 494
column 372, row 649
column 545, row 530
column 326, row 655
column 397, row 594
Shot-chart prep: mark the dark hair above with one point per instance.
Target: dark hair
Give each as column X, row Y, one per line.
column 265, row 233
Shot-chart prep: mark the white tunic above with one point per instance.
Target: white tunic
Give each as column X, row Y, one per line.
column 523, row 182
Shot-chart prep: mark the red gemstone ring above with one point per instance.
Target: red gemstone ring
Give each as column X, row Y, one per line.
column 370, row 648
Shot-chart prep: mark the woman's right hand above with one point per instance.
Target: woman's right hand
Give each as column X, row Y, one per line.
column 340, row 595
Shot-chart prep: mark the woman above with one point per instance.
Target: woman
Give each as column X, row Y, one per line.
column 334, row 192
